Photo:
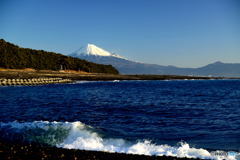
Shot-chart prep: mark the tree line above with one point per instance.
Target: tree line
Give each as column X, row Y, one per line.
column 15, row 57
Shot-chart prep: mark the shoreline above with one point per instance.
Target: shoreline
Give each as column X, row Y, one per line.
column 39, row 77
column 34, row 151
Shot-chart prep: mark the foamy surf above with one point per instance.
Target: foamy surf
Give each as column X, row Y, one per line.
column 77, row 135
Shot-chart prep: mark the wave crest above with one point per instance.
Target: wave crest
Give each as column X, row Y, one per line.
column 77, row 135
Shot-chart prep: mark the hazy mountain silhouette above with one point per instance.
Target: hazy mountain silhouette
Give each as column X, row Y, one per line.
column 125, row 66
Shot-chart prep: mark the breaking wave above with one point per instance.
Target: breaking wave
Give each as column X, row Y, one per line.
column 76, row 135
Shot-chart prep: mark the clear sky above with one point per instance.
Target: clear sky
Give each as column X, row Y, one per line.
column 186, row 33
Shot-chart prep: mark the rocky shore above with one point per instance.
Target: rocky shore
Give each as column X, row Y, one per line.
column 32, row 81
column 37, row 152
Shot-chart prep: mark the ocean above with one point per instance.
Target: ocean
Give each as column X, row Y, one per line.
column 182, row 118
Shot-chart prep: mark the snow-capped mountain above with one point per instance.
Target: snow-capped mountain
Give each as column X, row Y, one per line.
column 93, row 50
column 96, row 54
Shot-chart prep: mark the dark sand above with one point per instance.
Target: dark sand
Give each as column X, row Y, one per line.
column 37, row 152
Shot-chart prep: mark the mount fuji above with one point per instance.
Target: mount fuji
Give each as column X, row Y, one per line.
column 93, row 50
column 96, row 54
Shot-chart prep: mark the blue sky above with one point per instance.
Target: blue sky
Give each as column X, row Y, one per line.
column 185, row 33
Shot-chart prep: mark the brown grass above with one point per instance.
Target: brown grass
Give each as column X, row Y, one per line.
column 18, row 70
column 42, row 71
column 73, row 72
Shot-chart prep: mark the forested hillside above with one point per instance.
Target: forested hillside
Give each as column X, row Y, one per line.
column 15, row 57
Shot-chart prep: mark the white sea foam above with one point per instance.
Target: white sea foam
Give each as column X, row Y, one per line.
column 81, row 82
column 81, row 136
column 84, row 82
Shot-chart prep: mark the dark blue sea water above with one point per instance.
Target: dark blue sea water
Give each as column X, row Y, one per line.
column 199, row 113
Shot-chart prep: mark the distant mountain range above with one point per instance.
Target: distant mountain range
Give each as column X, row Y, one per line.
column 96, row 54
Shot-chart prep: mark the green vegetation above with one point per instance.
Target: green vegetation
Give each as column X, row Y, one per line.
column 14, row 57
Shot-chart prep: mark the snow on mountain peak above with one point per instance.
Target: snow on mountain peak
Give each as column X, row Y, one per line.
column 92, row 49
